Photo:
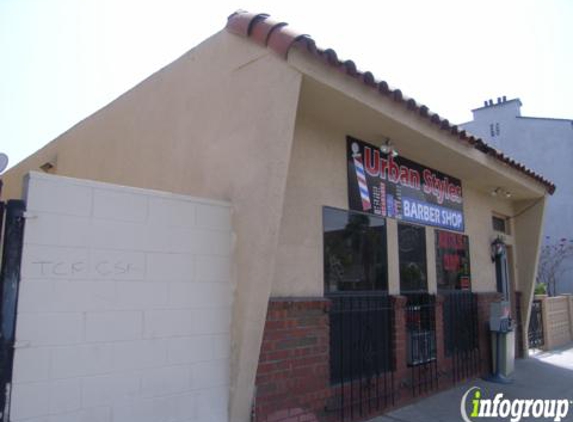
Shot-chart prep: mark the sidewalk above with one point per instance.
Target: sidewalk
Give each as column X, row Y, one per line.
column 542, row 376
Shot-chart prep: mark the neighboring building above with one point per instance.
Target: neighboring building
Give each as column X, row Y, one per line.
column 543, row 144
column 363, row 279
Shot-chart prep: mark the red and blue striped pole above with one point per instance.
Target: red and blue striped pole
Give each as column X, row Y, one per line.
column 361, row 176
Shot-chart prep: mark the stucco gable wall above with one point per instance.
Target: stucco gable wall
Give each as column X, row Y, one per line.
column 158, row 124
column 217, row 123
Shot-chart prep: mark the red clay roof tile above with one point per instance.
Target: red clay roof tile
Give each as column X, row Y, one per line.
column 279, row 37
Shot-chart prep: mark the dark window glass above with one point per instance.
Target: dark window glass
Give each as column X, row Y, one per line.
column 498, row 224
column 355, row 257
column 452, row 261
column 412, row 254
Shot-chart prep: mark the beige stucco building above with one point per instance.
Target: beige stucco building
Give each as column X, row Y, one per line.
column 256, row 115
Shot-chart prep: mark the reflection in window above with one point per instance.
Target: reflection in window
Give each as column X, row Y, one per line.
column 452, row 261
column 412, row 254
column 355, row 257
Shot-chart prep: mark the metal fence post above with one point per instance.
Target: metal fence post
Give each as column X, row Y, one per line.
column 9, row 283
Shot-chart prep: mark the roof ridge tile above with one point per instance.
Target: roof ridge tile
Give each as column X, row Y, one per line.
column 280, row 37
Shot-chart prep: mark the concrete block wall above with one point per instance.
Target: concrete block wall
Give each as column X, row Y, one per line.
column 124, row 306
column 557, row 321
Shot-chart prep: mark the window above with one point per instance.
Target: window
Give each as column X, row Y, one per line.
column 356, row 277
column 452, row 261
column 497, row 129
column 491, row 130
column 412, row 255
column 355, row 256
column 499, row 224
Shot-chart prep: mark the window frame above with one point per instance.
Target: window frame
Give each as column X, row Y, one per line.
column 441, row 286
column 357, row 292
column 506, row 223
column 425, row 288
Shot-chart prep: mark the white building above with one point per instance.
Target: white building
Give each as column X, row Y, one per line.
column 546, row 146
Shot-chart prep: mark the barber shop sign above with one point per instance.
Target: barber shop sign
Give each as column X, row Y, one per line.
column 396, row 187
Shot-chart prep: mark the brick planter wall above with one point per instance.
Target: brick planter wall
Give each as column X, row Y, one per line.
column 446, row 366
column 292, row 383
column 445, row 375
column 402, row 372
column 293, row 379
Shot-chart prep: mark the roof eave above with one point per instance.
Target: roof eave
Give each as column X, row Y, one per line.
column 280, row 38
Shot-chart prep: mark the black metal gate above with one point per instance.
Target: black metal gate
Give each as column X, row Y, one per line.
column 421, row 342
column 9, row 282
column 361, row 356
column 535, row 331
column 461, row 336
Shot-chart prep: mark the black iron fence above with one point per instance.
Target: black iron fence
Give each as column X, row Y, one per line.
column 9, row 283
column 461, row 333
column 361, row 355
column 362, row 348
column 421, row 342
column 535, row 330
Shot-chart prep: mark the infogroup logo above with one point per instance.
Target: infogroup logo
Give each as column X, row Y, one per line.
column 513, row 409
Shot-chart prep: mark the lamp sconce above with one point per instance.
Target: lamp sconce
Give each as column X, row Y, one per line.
column 497, row 248
column 501, row 192
column 389, row 148
column 49, row 166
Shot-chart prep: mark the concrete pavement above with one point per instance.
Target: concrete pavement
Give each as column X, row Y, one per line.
column 542, row 376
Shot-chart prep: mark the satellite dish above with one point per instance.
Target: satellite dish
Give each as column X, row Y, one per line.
column 3, row 162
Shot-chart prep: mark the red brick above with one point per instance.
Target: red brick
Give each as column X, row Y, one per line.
column 293, row 363
column 278, row 415
column 294, row 367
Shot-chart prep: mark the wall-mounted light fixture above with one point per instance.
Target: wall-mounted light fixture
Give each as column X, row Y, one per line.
column 497, row 248
column 501, row 192
column 388, row 147
column 49, row 166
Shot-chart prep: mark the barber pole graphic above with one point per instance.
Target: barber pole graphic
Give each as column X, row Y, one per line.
column 389, row 185
column 361, row 176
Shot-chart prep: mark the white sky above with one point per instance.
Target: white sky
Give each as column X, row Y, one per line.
column 61, row 60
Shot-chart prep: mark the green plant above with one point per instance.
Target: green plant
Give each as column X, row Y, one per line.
column 541, row 289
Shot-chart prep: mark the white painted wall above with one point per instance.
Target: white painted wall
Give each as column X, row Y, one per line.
column 544, row 145
column 124, row 306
